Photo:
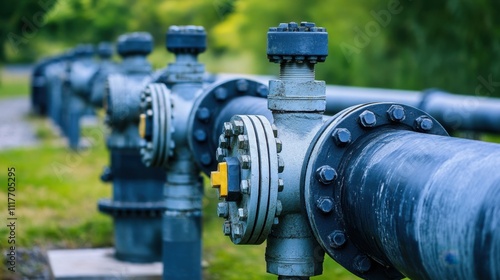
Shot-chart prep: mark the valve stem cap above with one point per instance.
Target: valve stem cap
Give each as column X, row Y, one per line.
column 292, row 42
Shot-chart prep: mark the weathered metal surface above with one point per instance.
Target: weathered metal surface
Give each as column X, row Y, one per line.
column 137, row 203
column 400, row 196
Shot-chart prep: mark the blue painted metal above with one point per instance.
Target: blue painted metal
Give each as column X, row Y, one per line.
column 106, row 68
column 271, row 156
column 77, row 91
column 406, row 197
column 55, row 76
column 137, row 203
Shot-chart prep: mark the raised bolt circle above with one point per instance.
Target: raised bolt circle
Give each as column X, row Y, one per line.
column 424, row 123
column 326, row 174
column 396, row 113
column 325, row 204
column 337, row 239
column 367, row 119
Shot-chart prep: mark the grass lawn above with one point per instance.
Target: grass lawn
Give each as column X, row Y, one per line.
column 56, row 207
column 13, row 85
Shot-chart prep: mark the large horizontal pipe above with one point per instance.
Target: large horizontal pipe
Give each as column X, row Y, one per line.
column 453, row 111
column 428, row 205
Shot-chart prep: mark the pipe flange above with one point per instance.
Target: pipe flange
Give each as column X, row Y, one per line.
column 207, row 107
column 248, row 179
column 156, row 125
column 131, row 209
column 322, row 186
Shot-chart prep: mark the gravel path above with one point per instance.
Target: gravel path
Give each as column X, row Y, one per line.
column 15, row 130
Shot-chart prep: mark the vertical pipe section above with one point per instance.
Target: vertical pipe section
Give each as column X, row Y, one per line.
column 428, row 205
column 182, row 219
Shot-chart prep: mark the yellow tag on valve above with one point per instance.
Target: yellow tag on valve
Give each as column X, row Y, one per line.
column 218, row 179
column 142, row 125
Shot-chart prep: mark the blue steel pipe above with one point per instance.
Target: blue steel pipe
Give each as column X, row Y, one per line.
column 428, row 205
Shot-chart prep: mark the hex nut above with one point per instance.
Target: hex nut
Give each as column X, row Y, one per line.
column 222, row 209
column 341, row 136
column 227, row 129
column 226, row 228
column 325, row 204
column 326, row 174
column 337, row 239
column 396, row 113
column 362, row 263
column 281, row 185
column 245, row 187
column 367, row 119
column 424, row 123
column 245, row 161
column 220, row 94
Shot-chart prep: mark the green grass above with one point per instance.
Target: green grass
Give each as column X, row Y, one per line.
column 13, row 85
column 56, row 196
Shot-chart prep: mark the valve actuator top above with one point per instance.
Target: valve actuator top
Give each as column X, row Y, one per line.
column 186, row 39
column 136, row 43
column 292, row 42
column 105, row 50
column 83, row 50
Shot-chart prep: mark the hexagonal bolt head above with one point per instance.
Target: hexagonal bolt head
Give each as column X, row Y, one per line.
column 237, row 229
column 222, row 209
column 262, row 90
column 245, row 161
column 396, row 113
column 223, row 143
column 242, row 85
column 238, row 127
column 279, row 207
column 200, row 135
column 220, row 94
column 281, row 185
column 341, row 136
column 281, row 165
column 367, row 119
column 242, row 141
column 275, row 130
column 203, row 114
column 245, row 187
column 424, row 123
column 362, row 263
column 226, row 228
column 241, row 214
column 279, row 145
column 337, row 239
column 220, row 154
column 325, row 204
column 227, row 129
column 326, row 174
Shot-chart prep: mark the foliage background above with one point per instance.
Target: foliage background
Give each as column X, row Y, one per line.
column 446, row 44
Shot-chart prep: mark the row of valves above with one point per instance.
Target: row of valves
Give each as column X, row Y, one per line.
column 379, row 187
